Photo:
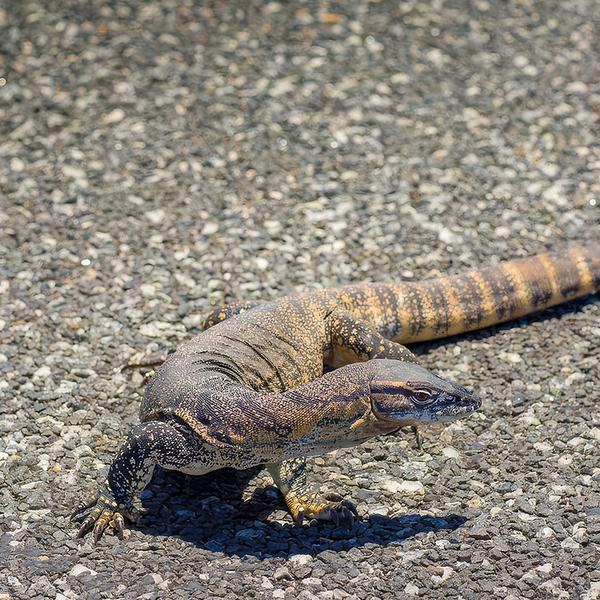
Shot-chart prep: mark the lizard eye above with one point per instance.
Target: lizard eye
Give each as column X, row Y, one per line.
column 422, row 396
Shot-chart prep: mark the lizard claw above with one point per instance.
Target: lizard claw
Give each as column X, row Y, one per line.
column 118, row 524
column 99, row 511
column 418, row 438
column 101, row 524
column 299, row 520
column 334, row 509
column 341, row 512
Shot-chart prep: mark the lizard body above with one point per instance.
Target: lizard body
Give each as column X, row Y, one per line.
column 250, row 388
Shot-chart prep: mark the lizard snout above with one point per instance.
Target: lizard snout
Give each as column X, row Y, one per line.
column 410, row 394
column 468, row 397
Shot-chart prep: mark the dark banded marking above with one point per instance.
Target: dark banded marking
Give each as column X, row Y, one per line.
column 487, row 300
column 395, row 326
column 548, row 263
column 402, row 318
column 593, row 264
column 540, row 287
column 390, row 388
column 414, row 306
column 441, row 311
column 473, row 307
column 454, row 307
column 503, row 290
column 521, row 296
column 388, row 308
column 584, row 266
column 567, row 275
column 467, row 309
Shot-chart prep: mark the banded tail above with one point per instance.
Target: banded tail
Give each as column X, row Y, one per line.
column 435, row 308
column 459, row 303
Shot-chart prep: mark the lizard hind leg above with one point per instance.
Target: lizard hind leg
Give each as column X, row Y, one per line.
column 305, row 503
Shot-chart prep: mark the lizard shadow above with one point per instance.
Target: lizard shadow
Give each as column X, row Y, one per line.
column 212, row 512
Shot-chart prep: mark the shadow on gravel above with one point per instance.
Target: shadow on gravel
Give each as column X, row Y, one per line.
column 212, row 513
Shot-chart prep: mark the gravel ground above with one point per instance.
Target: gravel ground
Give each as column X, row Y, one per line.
column 159, row 157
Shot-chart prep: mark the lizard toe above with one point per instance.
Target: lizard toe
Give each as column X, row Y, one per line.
column 118, row 524
column 299, row 519
column 83, row 507
column 101, row 524
column 99, row 512
column 338, row 512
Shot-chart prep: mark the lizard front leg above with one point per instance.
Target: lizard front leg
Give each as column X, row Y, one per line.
column 353, row 341
column 303, row 502
column 166, row 443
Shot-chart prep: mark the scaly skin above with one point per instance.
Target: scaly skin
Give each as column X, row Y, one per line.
column 228, row 397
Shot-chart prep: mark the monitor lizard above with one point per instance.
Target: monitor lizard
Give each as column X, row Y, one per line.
column 251, row 389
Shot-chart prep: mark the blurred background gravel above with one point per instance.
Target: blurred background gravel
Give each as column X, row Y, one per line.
column 159, row 157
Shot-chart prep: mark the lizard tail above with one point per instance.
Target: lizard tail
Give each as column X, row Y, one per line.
column 459, row 303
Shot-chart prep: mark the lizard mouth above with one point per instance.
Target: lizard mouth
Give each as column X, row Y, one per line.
column 398, row 420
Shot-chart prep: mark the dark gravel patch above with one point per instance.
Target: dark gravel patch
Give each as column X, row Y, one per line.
column 160, row 157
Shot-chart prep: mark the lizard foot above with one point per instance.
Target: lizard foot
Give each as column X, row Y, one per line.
column 100, row 511
column 333, row 508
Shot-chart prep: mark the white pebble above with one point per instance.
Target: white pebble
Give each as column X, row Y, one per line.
column 450, row 452
column 80, row 569
column 114, row 116
column 156, row 216
column 511, row 357
column 42, row 373
column 210, row 228
column 301, row 559
column 266, row 584
column 73, row 172
column 261, row 263
column 411, row 590
column 404, row 487
column 16, row 165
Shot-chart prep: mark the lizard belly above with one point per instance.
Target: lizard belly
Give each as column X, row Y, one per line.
column 245, row 459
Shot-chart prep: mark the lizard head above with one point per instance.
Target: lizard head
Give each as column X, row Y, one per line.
column 409, row 394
